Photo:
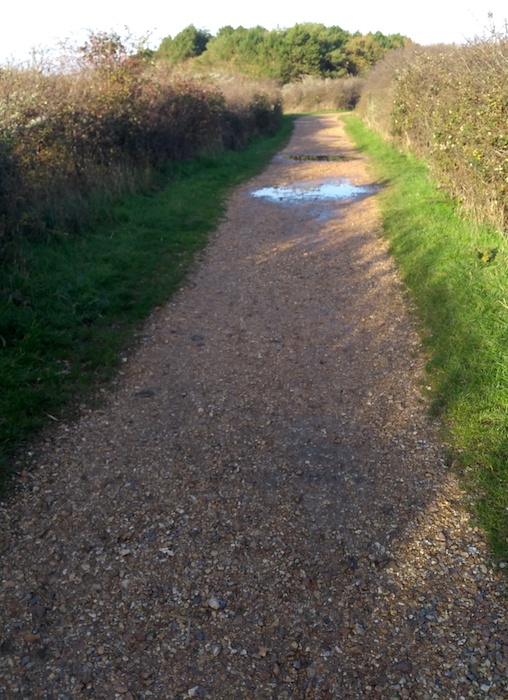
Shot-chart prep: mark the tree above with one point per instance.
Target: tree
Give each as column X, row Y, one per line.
column 362, row 52
column 284, row 54
column 189, row 43
column 300, row 52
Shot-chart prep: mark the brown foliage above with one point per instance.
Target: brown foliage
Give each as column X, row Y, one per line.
column 252, row 106
column 313, row 94
column 71, row 138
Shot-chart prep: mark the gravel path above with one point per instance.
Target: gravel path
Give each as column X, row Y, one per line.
column 260, row 508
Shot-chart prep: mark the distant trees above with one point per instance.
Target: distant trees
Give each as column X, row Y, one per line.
column 189, row 43
column 362, row 52
column 285, row 54
column 300, row 52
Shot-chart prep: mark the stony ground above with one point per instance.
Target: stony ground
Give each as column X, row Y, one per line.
column 260, row 507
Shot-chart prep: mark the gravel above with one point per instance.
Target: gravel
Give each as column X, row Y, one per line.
column 259, row 507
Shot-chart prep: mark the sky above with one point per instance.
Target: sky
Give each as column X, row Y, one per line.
column 44, row 24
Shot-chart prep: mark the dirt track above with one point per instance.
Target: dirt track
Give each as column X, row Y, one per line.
column 260, row 509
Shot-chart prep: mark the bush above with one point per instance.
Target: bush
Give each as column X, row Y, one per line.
column 317, row 94
column 252, row 107
column 449, row 104
column 80, row 136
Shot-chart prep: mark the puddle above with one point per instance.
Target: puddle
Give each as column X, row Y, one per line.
column 319, row 158
column 332, row 189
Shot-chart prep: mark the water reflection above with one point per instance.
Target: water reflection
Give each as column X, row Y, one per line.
column 328, row 190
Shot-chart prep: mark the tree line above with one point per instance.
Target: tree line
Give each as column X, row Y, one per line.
column 282, row 54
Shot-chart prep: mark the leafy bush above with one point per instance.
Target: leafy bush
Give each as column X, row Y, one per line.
column 449, row 104
column 72, row 139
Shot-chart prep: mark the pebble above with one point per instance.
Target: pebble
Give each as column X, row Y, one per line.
column 38, row 611
column 31, row 638
column 403, row 667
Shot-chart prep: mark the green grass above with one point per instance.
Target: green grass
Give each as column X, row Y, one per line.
column 71, row 304
column 457, row 277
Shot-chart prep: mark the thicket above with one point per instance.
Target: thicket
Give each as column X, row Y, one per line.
column 73, row 139
column 282, row 54
column 449, row 105
column 312, row 94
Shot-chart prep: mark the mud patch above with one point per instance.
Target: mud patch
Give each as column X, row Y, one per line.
column 331, row 189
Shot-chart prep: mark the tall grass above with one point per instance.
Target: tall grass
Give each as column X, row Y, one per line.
column 457, row 274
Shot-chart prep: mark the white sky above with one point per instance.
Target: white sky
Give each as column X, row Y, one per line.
column 28, row 24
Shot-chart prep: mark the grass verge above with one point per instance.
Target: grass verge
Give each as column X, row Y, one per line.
column 70, row 304
column 457, row 276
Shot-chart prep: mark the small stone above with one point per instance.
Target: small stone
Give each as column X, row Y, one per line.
column 31, row 638
column 86, row 677
column 214, row 603
column 403, row 667
column 38, row 610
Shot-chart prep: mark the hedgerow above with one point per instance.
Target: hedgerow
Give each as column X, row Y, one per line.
column 311, row 94
column 73, row 139
column 449, row 104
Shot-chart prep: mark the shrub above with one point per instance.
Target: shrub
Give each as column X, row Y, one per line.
column 449, row 104
column 73, row 138
column 252, row 107
column 317, row 94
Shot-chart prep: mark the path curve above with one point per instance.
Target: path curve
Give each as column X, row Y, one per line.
column 260, row 509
